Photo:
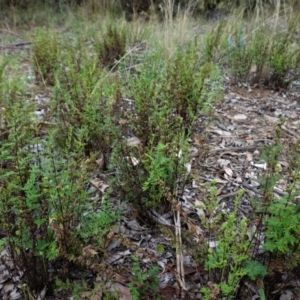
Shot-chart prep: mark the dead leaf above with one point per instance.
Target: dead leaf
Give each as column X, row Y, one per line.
column 88, row 250
column 122, row 121
column 223, row 162
column 222, row 132
column 118, row 255
column 97, row 295
column 249, row 157
column 133, row 160
column 228, row 171
column 122, row 291
column 195, row 229
column 133, row 141
column 133, row 224
column 260, row 166
column 293, row 115
column 199, row 141
column 100, row 162
column 200, row 206
column 104, row 186
column 272, row 120
column 240, row 117
column 188, row 167
column 85, row 295
column 191, row 270
column 219, row 191
column 99, row 184
column 8, row 288
column 213, row 244
column 42, row 294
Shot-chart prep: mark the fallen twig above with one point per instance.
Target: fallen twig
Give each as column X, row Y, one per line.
column 15, row 45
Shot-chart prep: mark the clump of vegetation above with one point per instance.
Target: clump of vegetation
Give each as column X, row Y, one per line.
column 257, row 52
column 45, row 55
column 144, row 284
column 167, row 99
column 83, row 101
column 43, row 190
column 111, row 46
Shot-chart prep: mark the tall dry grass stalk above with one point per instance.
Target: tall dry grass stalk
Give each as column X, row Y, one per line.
column 177, row 28
column 102, row 6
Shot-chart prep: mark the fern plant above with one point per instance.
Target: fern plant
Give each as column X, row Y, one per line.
column 83, row 100
column 254, row 269
column 143, row 284
column 282, row 221
column 45, row 55
column 225, row 262
column 167, row 99
column 111, row 46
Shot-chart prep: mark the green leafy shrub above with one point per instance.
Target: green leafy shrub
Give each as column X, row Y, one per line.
column 284, row 54
column 83, row 101
column 42, row 202
column 277, row 218
column 258, row 53
column 43, row 193
column 142, row 283
column 225, row 261
column 45, row 55
column 254, row 269
column 282, row 227
column 22, row 215
column 111, row 46
column 282, row 220
column 167, row 99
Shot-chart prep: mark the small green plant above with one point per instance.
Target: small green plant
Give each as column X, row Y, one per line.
column 284, row 54
column 111, row 46
column 277, row 218
column 282, row 229
column 160, row 167
column 254, row 269
column 214, row 44
column 143, row 283
column 84, row 100
column 225, row 261
column 97, row 225
column 22, row 208
column 186, row 89
column 160, row 249
column 45, row 55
